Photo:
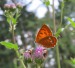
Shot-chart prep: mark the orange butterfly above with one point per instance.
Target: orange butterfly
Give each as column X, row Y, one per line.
column 45, row 37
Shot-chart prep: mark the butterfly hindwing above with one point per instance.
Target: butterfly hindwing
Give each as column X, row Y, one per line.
column 48, row 41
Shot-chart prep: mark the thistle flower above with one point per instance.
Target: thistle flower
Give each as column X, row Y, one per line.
column 13, row 6
column 10, row 6
column 6, row 6
column 19, row 5
column 40, row 54
column 28, row 56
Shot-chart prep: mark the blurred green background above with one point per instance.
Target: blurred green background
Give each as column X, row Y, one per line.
column 27, row 26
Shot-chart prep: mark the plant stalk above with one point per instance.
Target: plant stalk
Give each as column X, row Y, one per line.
column 38, row 66
column 62, row 7
column 29, row 66
column 13, row 34
column 15, row 63
column 57, row 49
column 18, row 54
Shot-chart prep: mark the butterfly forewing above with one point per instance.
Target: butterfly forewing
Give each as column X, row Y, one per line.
column 43, row 32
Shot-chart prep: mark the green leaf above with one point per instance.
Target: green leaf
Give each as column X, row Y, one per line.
column 14, row 21
column 8, row 20
column 9, row 45
column 72, row 22
column 59, row 31
column 70, row 63
column 17, row 16
column 73, row 60
column 47, row 3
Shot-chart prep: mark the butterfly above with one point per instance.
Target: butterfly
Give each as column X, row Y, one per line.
column 45, row 37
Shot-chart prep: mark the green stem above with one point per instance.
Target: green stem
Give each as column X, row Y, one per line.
column 15, row 63
column 38, row 66
column 13, row 33
column 57, row 49
column 62, row 7
column 18, row 54
column 21, row 60
column 29, row 66
column 57, row 56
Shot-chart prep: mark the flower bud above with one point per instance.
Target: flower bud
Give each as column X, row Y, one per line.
column 12, row 6
column 28, row 56
column 6, row 6
column 19, row 5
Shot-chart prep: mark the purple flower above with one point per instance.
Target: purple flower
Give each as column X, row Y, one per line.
column 13, row 6
column 10, row 6
column 7, row 6
column 39, row 52
column 27, row 55
column 19, row 5
column 39, row 55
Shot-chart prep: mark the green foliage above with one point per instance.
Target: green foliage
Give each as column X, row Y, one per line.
column 10, row 17
column 58, row 32
column 47, row 2
column 9, row 45
column 14, row 21
column 39, row 61
column 71, row 21
column 73, row 61
column 61, row 30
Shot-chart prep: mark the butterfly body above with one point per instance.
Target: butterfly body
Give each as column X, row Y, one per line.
column 45, row 37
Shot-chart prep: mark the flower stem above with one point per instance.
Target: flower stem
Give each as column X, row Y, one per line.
column 38, row 66
column 18, row 54
column 15, row 63
column 13, row 34
column 62, row 7
column 29, row 66
column 21, row 60
column 57, row 49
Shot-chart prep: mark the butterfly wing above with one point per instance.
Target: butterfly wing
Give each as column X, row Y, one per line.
column 43, row 32
column 48, row 42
